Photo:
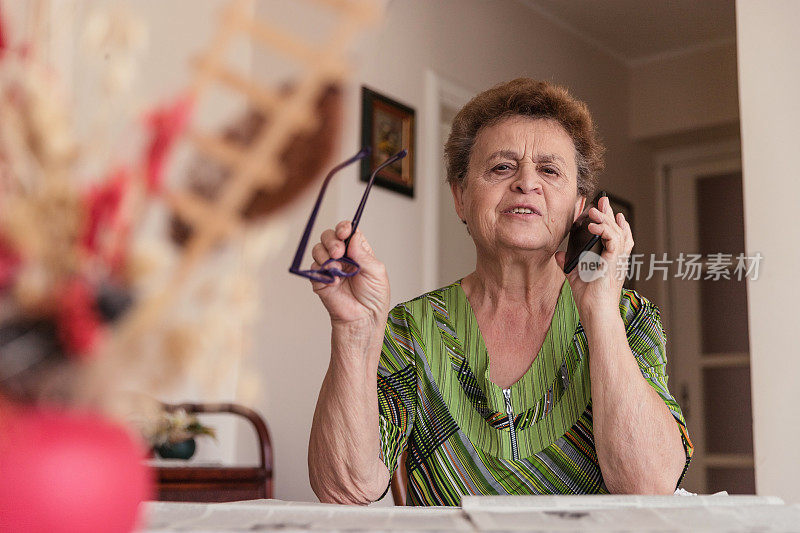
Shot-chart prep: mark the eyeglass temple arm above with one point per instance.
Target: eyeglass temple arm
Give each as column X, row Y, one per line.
column 357, row 217
column 301, row 249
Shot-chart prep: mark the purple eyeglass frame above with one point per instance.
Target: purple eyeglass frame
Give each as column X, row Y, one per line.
column 327, row 274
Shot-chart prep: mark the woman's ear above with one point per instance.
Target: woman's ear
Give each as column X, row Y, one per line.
column 580, row 204
column 458, row 200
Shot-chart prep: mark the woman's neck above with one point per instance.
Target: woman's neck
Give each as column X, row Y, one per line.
column 523, row 284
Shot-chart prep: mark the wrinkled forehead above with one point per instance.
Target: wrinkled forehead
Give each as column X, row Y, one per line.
column 525, row 137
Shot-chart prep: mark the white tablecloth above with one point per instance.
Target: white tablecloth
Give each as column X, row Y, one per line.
column 490, row 513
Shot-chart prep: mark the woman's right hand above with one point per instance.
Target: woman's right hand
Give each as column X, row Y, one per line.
column 359, row 298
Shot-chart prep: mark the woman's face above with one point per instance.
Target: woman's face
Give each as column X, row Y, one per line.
column 521, row 190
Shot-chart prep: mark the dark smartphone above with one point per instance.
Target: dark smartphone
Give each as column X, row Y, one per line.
column 581, row 239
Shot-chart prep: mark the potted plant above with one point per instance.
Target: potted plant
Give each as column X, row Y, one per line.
column 173, row 434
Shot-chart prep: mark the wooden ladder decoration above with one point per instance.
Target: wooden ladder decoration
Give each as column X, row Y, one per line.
column 290, row 112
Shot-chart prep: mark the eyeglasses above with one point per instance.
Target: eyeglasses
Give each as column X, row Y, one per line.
column 326, row 273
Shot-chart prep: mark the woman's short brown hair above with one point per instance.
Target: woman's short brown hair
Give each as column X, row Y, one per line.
column 529, row 98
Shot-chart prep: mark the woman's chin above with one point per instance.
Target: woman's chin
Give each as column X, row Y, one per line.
column 525, row 246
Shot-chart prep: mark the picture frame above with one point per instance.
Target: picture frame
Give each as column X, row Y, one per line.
column 618, row 205
column 388, row 126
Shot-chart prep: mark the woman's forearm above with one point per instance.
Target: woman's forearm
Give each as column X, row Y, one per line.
column 343, row 461
column 638, row 445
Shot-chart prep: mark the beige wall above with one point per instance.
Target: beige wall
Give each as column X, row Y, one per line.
column 679, row 93
column 769, row 74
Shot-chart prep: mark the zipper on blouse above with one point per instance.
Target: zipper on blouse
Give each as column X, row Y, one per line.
column 510, row 413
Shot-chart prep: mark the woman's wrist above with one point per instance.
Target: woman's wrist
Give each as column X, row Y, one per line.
column 355, row 342
column 361, row 330
column 599, row 313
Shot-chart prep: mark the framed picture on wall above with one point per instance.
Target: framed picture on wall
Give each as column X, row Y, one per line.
column 618, row 205
column 388, row 127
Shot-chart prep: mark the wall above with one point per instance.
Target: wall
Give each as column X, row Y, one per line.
column 679, row 93
column 769, row 73
column 475, row 44
column 685, row 98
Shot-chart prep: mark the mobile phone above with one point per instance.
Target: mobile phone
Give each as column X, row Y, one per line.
column 581, row 239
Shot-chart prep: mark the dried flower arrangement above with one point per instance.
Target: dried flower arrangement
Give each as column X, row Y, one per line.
column 85, row 300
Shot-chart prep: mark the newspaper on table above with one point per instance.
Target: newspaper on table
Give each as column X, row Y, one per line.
column 264, row 515
column 631, row 513
column 489, row 513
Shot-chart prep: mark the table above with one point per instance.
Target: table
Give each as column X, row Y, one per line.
column 488, row 513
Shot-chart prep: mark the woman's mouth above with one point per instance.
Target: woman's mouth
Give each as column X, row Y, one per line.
column 522, row 211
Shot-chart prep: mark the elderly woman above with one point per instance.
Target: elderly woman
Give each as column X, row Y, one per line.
column 486, row 382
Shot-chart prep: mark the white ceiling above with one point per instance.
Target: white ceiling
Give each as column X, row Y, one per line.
column 637, row 31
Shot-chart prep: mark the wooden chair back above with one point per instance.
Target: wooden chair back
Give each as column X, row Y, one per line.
column 220, row 484
column 400, row 481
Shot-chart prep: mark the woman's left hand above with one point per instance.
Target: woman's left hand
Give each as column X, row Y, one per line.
column 602, row 295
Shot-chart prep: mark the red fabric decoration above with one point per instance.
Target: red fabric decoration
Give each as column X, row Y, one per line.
column 9, row 261
column 166, row 124
column 102, row 207
column 118, row 253
column 66, row 471
column 3, row 43
column 78, row 322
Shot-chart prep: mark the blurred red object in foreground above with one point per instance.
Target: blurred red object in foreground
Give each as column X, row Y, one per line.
column 2, row 34
column 78, row 323
column 68, row 471
column 166, row 125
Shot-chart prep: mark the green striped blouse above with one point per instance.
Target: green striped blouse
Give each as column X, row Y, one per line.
column 466, row 435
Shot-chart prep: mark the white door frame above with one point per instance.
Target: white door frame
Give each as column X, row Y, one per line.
column 439, row 92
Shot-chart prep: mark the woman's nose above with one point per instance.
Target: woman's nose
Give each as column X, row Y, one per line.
column 526, row 179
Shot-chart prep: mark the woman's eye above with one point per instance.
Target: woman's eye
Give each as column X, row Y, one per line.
column 550, row 170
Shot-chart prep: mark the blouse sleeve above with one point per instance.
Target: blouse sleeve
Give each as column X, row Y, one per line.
column 396, row 387
column 648, row 341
